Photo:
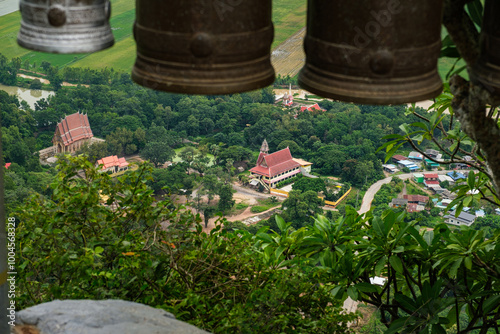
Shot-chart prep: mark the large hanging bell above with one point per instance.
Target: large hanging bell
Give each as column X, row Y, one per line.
column 373, row 51
column 487, row 68
column 203, row 47
column 65, row 26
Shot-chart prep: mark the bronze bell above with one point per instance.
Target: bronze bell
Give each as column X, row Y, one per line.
column 487, row 68
column 373, row 51
column 65, row 26
column 203, row 47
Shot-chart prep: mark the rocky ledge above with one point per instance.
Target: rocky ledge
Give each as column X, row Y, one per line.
column 98, row 317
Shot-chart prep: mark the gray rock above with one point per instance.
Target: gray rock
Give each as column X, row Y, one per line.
column 102, row 317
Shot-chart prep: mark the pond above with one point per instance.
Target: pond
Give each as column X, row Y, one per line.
column 28, row 95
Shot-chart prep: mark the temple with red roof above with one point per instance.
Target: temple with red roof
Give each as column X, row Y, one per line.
column 72, row 133
column 112, row 164
column 311, row 108
column 275, row 167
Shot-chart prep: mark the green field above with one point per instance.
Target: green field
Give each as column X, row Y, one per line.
column 288, row 16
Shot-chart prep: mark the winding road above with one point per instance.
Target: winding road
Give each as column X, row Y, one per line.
column 370, row 193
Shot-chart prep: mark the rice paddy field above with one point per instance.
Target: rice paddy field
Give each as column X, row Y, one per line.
column 288, row 17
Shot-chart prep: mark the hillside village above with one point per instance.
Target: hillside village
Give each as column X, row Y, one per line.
column 274, row 174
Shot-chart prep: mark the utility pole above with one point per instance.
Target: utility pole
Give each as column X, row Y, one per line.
column 4, row 301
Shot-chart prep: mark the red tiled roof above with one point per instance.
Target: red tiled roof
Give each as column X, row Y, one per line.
column 431, row 182
column 416, row 198
column 112, row 161
column 7, row 165
column 122, row 162
column 276, row 163
column 74, row 127
column 314, row 106
column 431, row 176
column 399, row 157
column 260, row 158
column 411, row 207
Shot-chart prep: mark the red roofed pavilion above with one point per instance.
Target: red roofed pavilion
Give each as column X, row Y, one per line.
column 275, row 167
column 311, row 108
column 71, row 133
column 112, row 164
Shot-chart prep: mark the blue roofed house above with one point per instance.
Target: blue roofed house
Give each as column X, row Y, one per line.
column 408, row 164
column 456, row 176
column 415, row 156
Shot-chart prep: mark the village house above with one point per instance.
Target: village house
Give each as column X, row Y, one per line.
column 419, row 178
column 447, row 178
column 408, row 164
column 112, row 164
column 456, row 176
column 412, row 207
column 416, row 203
column 415, row 156
column 390, row 168
column 431, row 179
column 433, row 154
column 275, row 167
column 431, row 164
column 463, row 219
column 398, row 157
column 417, row 199
column 72, row 133
column 398, row 203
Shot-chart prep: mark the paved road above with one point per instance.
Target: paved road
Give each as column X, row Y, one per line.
column 370, row 193
column 249, row 192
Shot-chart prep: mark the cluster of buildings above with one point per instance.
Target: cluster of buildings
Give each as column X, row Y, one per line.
column 72, row 133
column 412, row 203
column 287, row 100
column 432, row 181
column 416, row 161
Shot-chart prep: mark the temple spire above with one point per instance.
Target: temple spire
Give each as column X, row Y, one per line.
column 265, row 147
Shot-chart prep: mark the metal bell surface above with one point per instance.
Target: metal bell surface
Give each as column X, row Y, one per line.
column 65, row 26
column 373, row 51
column 487, row 68
column 203, row 47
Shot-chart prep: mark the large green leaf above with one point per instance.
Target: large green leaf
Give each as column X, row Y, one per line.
column 396, row 264
column 491, row 303
column 281, row 223
column 475, row 9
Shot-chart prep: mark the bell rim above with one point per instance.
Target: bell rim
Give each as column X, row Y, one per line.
column 373, row 91
column 66, row 48
column 484, row 72
column 65, row 41
column 205, row 86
